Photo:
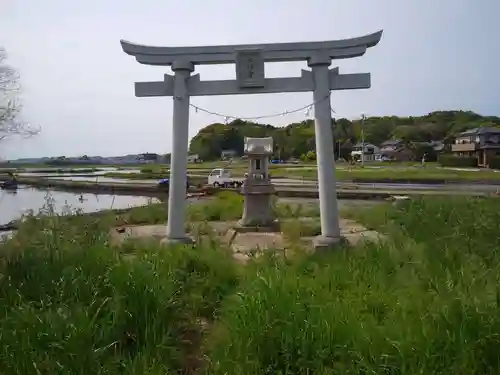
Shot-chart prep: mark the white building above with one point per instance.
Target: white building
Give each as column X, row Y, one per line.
column 228, row 154
column 368, row 151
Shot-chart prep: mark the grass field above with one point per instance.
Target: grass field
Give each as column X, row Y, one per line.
column 424, row 302
column 428, row 173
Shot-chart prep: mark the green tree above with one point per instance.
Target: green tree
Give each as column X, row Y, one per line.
column 297, row 139
column 378, row 129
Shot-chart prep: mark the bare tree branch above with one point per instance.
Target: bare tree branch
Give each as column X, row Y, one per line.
column 10, row 121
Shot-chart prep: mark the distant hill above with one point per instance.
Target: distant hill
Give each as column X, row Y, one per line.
column 296, row 139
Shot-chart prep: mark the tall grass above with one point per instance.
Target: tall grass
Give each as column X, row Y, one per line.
column 426, row 301
column 72, row 304
column 428, row 304
column 228, row 206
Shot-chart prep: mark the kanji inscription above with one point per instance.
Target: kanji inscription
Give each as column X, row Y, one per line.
column 250, row 69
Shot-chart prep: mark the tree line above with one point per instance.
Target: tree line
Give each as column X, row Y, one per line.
column 297, row 140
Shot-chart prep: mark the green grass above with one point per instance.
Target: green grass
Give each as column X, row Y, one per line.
column 400, row 173
column 425, row 301
column 73, row 304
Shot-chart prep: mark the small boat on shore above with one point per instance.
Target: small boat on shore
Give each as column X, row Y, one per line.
column 13, row 225
column 9, row 185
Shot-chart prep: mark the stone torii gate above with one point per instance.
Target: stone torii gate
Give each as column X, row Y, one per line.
column 250, row 79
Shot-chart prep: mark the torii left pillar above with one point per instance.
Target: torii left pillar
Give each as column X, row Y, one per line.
column 329, row 210
column 178, row 165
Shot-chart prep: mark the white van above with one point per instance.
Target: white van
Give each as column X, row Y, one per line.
column 220, row 177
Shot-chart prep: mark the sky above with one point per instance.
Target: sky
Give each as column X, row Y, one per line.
column 78, row 84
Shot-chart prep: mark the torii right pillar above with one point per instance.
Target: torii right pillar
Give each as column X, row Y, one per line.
column 329, row 211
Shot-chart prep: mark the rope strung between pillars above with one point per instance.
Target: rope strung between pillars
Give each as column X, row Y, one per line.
column 227, row 118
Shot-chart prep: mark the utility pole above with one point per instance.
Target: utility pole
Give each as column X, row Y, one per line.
column 362, row 140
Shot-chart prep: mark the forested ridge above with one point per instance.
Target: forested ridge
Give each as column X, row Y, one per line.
column 297, row 139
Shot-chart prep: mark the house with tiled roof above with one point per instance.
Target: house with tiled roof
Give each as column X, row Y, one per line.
column 482, row 143
column 367, row 151
column 394, row 149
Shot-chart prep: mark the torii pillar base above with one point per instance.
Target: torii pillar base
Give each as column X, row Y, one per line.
column 178, row 241
column 323, row 243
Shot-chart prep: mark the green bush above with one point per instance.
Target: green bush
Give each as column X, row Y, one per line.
column 226, row 205
column 457, row 161
column 495, row 162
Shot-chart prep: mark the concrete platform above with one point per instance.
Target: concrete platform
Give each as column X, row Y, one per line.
column 246, row 243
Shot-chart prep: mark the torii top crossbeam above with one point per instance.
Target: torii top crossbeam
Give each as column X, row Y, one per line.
column 335, row 49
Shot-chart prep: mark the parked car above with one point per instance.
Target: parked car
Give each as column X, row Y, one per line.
column 220, row 177
column 382, row 158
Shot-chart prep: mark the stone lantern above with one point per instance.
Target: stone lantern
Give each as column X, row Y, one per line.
column 257, row 187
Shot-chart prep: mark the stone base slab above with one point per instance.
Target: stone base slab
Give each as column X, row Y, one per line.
column 322, row 243
column 177, row 241
column 273, row 226
column 244, row 240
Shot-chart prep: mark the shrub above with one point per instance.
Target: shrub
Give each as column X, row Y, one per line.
column 309, row 156
column 226, row 205
column 495, row 162
column 154, row 169
column 457, row 161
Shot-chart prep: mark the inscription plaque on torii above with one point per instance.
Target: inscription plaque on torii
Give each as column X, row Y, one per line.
column 250, row 79
column 250, row 69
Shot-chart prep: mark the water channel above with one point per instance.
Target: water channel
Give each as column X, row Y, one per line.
column 13, row 204
column 26, row 199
